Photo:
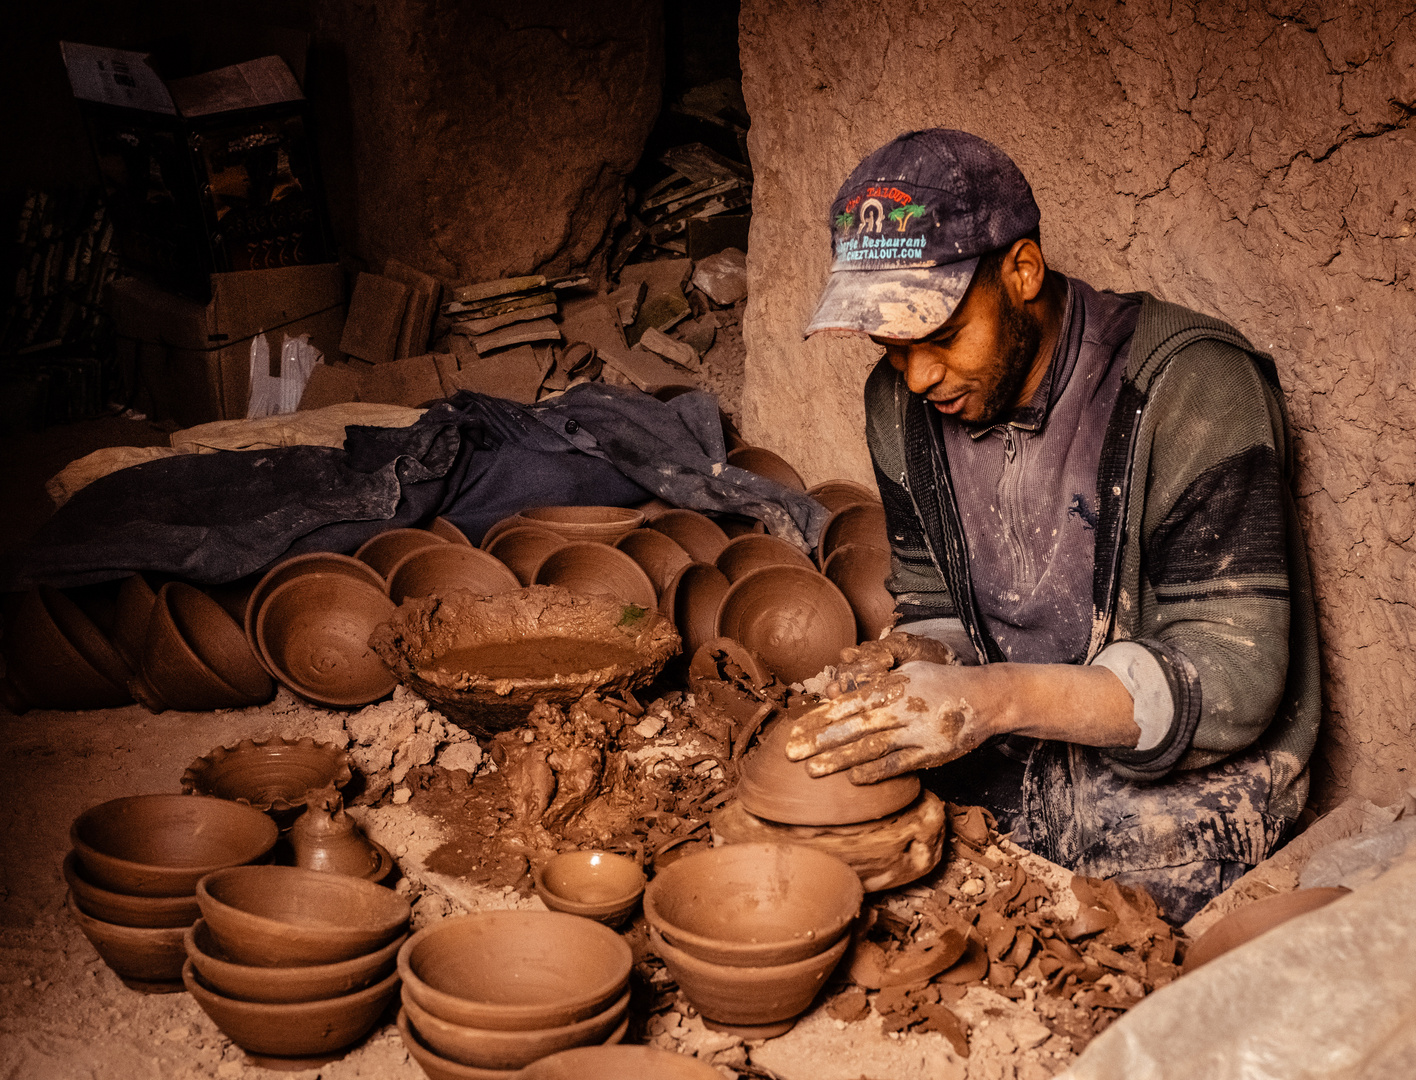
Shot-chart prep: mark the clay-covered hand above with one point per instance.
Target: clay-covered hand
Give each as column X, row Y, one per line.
column 864, row 663
column 916, row 717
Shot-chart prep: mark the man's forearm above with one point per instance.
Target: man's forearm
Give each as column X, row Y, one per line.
column 1066, row 702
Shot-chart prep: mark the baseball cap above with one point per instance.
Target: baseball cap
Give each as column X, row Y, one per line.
column 908, row 227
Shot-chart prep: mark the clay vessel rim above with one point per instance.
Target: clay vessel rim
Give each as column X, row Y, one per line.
column 608, row 557
column 419, row 1050
column 74, row 658
column 243, row 673
column 393, row 915
column 846, row 552
column 575, row 1027
column 584, row 515
column 81, row 889
column 385, row 954
column 829, row 531
column 441, row 526
column 829, row 639
column 482, row 563
column 290, row 1009
column 86, row 637
column 284, row 568
column 1244, row 924
column 375, row 550
column 162, row 614
column 130, row 935
column 749, row 973
column 632, row 894
column 197, row 776
column 774, row 462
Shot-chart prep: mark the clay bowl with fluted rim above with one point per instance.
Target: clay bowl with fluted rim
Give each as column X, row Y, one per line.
column 314, row 562
column 515, row 970
column 313, row 632
column 44, row 669
column 838, row 494
column 144, row 957
column 447, row 567
column 134, row 608
column 619, row 1063
column 488, row 1048
column 752, row 551
column 281, row 916
column 859, row 571
column 384, row 550
column 792, row 618
column 440, row 526
column 749, row 996
column 754, row 905
column 760, row 460
column 777, row 789
column 276, row 774
column 285, row 985
column 863, row 523
column 657, row 554
column 293, row 1029
column 696, row 533
column 595, row 569
column 174, row 675
column 219, row 641
column 123, row 909
column 691, row 600
column 522, row 548
column 604, row 524
column 437, row 1067
column 597, row 885
column 161, row 845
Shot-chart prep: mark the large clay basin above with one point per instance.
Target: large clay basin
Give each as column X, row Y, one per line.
column 314, row 562
column 135, row 600
column 790, row 617
column 752, row 551
column 859, row 571
column 383, row 551
column 440, row 526
column 522, row 548
column 657, row 555
column 596, row 569
column 137, row 954
column 122, row 909
column 759, row 460
column 691, row 600
column 162, row 845
column 696, row 533
column 174, row 675
column 84, row 634
column 618, row 1063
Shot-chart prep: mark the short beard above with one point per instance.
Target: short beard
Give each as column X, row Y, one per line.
column 1022, row 331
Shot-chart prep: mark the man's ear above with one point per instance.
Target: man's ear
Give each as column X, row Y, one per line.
column 1023, row 271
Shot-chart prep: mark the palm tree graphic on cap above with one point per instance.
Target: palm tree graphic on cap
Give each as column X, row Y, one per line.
column 902, row 214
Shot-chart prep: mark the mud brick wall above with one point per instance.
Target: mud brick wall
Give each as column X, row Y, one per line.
column 1256, row 161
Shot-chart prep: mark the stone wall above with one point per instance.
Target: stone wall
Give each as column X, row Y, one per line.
column 1256, row 161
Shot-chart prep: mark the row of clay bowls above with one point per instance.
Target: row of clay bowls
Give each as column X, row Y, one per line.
column 133, row 875
column 56, row 657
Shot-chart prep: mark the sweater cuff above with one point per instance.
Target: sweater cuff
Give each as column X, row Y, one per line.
column 1153, row 707
column 1145, row 761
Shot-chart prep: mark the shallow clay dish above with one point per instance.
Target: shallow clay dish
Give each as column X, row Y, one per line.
column 859, row 571
column 515, row 970
column 863, row 523
column 151, row 912
column 604, row 524
column 777, row 789
column 173, row 675
column 752, row 551
column 446, row 567
column 596, row 884
column 488, row 1048
column 245, row 982
column 484, row 660
column 314, row 634
column 754, row 905
column 522, row 548
column 314, row 562
column 384, row 550
column 759, row 460
column 838, row 494
column 440, row 526
column 595, row 569
column 130, row 621
column 691, row 600
column 791, row 617
column 658, row 555
column 696, row 533
column 274, row 916
column 161, row 845
column 293, row 1029
column 438, row 1067
column 145, row 958
column 44, row 668
column 1248, row 922
column 278, row 774
column 618, row 1063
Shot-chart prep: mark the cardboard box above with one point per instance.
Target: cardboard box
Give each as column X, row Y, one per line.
column 195, row 359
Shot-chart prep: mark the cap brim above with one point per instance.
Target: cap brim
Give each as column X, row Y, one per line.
column 906, row 304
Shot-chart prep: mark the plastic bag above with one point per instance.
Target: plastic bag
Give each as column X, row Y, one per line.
column 278, row 391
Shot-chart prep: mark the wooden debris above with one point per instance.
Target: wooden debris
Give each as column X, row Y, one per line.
column 517, row 334
column 375, row 318
column 424, row 291
column 496, row 322
column 484, row 290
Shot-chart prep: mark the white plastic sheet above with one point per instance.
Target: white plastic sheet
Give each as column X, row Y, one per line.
column 277, row 394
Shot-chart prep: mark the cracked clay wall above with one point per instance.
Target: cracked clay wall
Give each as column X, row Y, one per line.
column 1256, row 161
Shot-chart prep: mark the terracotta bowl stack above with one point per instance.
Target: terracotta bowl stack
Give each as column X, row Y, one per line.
column 133, row 875
column 57, row 658
column 489, row 993
column 293, row 965
column 751, row 932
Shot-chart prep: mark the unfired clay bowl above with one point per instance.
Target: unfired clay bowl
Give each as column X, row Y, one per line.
column 284, row 985
column 84, row 634
column 523, row 548
column 314, row 562
column 691, row 600
column 512, row 521
column 1259, row 917
column 45, row 669
column 618, row 1063
column 754, row 905
column 488, row 1048
column 447, row 567
column 173, row 675
column 150, row 912
column 145, row 958
column 752, row 551
column 863, row 523
column 314, row 634
column 135, row 600
column 598, row 885
column 595, row 569
column 657, row 555
column 281, row 916
column 277, row 774
column 515, row 970
column 440, row 526
column 749, row 996
column 218, row 640
column 384, row 550
column 696, row 533
column 791, row 617
column 859, row 571
column 604, row 524
column 438, row 1067
column 294, row 1029
column 759, row 460
column 838, row 494
column 162, row 845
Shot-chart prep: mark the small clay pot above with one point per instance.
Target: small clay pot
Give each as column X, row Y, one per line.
column 46, row 670
column 447, row 567
column 515, row 970
column 294, row 1029
column 149, row 912
column 759, row 460
column 696, row 533
column 595, row 569
column 145, row 958
column 285, row 985
column 161, row 845
column 619, row 1063
column 1261, row 916
column 598, row 885
column 383, row 551
column 838, row 494
column 749, row 996
column 282, row 916
column 754, row 905
column 135, row 600
column 438, row 1067
column 440, row 526
column 604, row 524
column 314, row 634
column 219, row 641
column 657, row 555
column 859, row 572
column 691, row 600
column 488, row 1048
column 750, row 552
column 314, row 562
column 174, row 675
column 791, row 617
column 863, row 523
column 522, row 548
column 277, row 774
column 326, row 839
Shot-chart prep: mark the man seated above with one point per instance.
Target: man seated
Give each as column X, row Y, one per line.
column 1087, row 497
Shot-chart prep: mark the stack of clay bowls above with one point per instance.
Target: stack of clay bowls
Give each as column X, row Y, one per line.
column 751, row 932
column 294, row 965
column 489, row 993
column 133, row 875
column 57, row 658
